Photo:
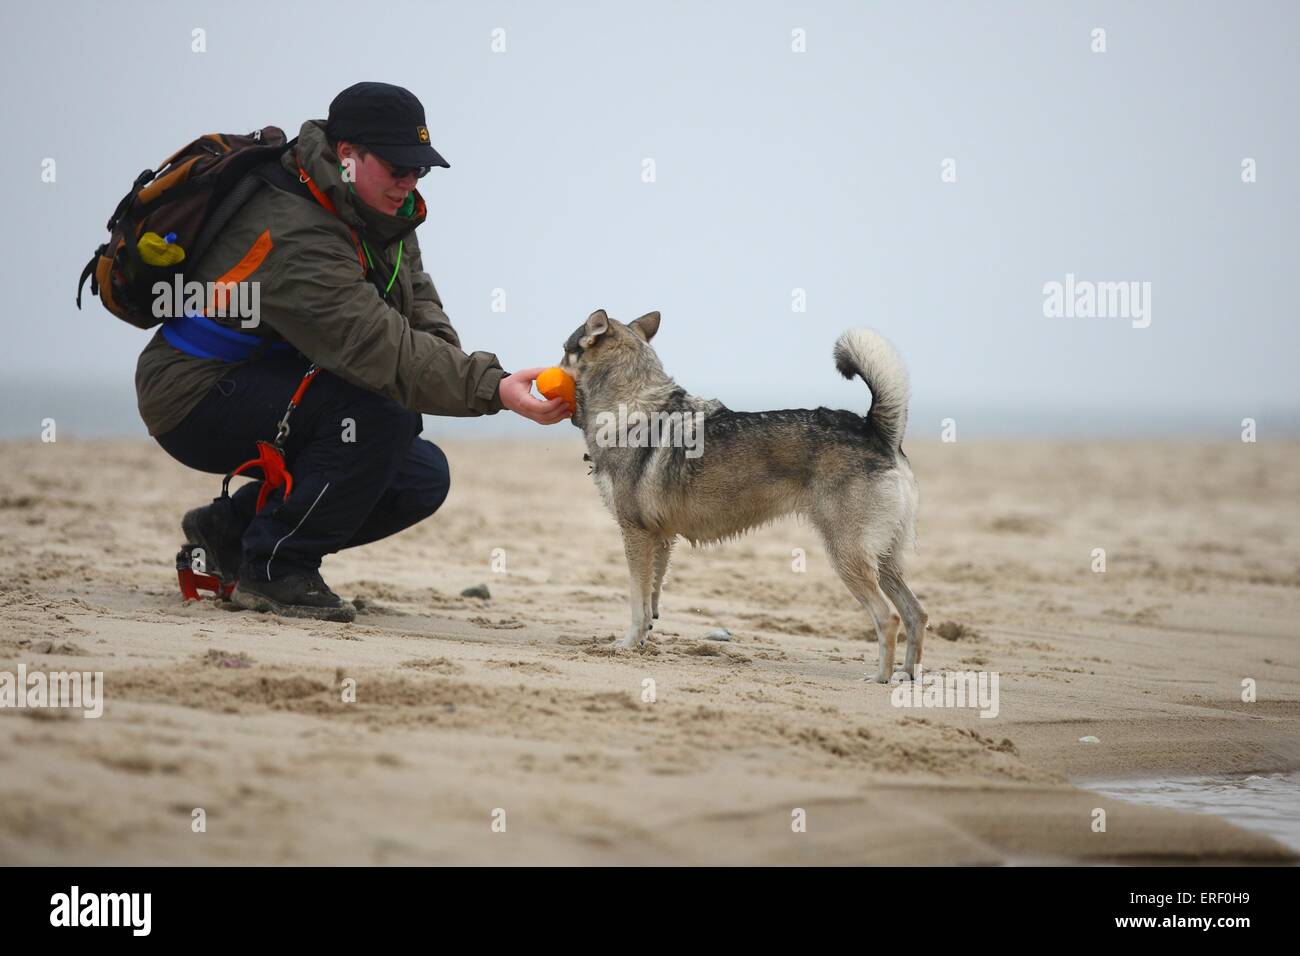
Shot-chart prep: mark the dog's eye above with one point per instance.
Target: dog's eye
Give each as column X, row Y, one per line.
column 572, row 344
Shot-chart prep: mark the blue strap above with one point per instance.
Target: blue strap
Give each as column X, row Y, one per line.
column 202, row 337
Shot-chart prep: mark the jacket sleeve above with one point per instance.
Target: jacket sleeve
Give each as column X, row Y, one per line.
column 317, row 299
column 427, row 313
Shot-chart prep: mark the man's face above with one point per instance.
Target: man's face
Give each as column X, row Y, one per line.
column 375, row 181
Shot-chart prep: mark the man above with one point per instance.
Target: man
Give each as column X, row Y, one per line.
column 331, row 244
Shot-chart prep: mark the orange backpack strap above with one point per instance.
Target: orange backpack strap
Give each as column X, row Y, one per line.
column 329, row 205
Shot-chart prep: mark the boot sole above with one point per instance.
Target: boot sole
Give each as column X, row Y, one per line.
column 345, row 614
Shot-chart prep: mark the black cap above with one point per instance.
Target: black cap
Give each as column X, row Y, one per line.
column 385, row 119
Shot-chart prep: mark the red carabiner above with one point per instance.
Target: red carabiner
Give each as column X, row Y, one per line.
column 274, row 473
column 270, row 455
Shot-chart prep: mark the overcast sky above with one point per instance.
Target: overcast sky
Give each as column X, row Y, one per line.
column 775, row 170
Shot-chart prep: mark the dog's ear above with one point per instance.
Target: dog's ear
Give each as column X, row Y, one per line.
column 646, row 326
column 597, row 325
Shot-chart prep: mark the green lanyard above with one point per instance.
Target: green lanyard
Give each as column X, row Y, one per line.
column 393, row 277
column 395, row 268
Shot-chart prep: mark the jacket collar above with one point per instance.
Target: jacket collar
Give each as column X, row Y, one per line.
column 313, row 154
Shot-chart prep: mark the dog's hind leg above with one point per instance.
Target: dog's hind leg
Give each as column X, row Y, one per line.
column 888, row 622
column 639, row 546
column 914, row 616
column 663, row 553
column 861, row 576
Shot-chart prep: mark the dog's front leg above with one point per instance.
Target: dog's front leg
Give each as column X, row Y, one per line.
column 663, row 553
column 639, row 545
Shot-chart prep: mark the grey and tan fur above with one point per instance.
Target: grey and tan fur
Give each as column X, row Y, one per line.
column 845, row 473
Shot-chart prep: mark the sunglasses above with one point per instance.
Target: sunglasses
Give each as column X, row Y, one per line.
column 401, row 172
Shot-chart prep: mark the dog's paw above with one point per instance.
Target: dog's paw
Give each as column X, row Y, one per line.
column 630, row 641
column 879, row 678
column 901, row 676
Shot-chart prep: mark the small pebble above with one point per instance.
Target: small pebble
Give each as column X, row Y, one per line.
column 1090, row 740
column 718, row 634
column 477, row 591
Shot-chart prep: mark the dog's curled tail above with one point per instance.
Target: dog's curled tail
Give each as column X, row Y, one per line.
column 869, row 356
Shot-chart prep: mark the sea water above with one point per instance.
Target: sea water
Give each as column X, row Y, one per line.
column 1267, row 802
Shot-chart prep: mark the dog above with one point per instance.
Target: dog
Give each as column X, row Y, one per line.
column 845, row 473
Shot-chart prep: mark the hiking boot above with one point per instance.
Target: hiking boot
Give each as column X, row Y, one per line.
column 216, row 529
column 303, row 594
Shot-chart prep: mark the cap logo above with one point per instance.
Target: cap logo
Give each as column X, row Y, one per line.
column 423, row 132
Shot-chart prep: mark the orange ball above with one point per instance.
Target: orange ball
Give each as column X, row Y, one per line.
column 557, row 383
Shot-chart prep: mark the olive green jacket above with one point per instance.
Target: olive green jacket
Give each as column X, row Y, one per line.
column 314, row 295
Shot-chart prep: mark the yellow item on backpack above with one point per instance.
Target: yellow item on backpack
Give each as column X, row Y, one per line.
column 157, row 251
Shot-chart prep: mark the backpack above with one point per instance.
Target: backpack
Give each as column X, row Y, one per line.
column 171, row 215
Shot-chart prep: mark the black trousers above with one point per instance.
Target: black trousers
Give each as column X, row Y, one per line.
column 360, row 473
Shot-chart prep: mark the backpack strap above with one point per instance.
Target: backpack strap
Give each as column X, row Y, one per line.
column 276, row 175
column 328, row 205
column 264, row 172
column 230, row 204
column 89, row 273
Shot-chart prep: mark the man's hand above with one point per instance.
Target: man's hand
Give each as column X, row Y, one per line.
column 517, row 395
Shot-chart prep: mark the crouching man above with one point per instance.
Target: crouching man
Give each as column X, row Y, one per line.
column 331, row 244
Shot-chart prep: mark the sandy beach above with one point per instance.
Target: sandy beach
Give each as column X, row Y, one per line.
column 507, row 730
